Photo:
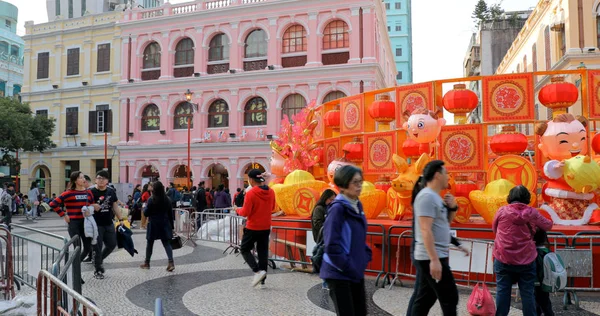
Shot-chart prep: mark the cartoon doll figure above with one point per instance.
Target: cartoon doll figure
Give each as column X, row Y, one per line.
column 560, row 139
column 424, row 126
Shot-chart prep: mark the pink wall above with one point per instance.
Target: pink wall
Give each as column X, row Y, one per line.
column 200, row 21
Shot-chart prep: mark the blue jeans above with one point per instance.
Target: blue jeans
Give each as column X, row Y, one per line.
column 506, row 276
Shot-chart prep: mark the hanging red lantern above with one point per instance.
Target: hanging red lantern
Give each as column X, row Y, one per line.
column 383, row 110
column 332, row 118
column 596, row 143
column 424, row 148
column 463, row 186
column 383, row 183
column 354, row 150
column 558, row 95
column 460, row 101
column 410, row 148
column 509, row 141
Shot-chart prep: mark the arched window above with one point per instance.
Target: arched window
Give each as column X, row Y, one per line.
column 334, row 95
column 255, row 112
column 218, row 48
column 4, row 48
column 184, row 52
column 151, row 118
column 151, row 62
column 256, row 44
column 183, row 111
column 152, row 56
column 292, row 104
column 218, row 114
column 336, row 35
column 294, row 40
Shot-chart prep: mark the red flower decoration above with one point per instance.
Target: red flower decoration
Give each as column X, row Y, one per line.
column 507, row 98
column 459, row 149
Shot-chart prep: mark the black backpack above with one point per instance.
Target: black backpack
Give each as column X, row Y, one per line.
column 239, row 199
column 318, row 252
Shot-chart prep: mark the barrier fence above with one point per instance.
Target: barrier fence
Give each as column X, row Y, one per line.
column 6, row 264
column 52, row 294
column 184, row 225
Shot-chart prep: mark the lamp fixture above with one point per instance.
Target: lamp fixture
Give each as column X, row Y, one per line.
column 83, row 144
column 130, row 80
column 85, row 83
column 55, row 86
column 163, row 132
column 232, row 135
column 232, row 71
column 130, row 134
column 271, row 67
column 269, row 136
column 188, row 95
column 196, row 74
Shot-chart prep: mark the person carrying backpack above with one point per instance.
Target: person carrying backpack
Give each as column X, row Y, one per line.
column 542, row 298
column 239, row 198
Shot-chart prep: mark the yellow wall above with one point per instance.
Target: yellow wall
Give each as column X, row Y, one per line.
column 549, row 13
column 56, row 38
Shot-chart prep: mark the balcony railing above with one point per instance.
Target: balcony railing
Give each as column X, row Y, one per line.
column 217, row 68
column 185, row 8
column 11, row 58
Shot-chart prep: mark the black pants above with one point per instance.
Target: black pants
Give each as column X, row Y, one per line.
column 349, row 298
column 261, row 239
column 411, row 302
column 107, row 241
column 428, row 290
column 543, row 303
column 166, row 244
column 76, row 228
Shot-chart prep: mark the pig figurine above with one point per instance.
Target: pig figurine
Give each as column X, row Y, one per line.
column 399, row 198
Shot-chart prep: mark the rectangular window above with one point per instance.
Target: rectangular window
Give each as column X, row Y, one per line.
column 83, row 7
column 43, row 65
column 100, row 121
column 389, row 28
column 57, row 7
column 398, row 5
column 103, row 63
column 398, row 51
column 8, row 23
column 399, row 75
column 387, row 6
column 72, row 121
column 70, row 9
column 43, row 113
column 398, row 28
column 100, row 165
column 72, row 61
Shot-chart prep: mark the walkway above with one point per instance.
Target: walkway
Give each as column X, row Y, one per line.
column 208, row 282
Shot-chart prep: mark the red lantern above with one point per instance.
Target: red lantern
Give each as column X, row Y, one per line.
column 460, row 101
column 464, row 186
column 383, row 183
column 508, row 142
column 332, row 118
column 596, row 143
column 383, row 110
column 558, row 95
column 410, row 148
column 354, row 150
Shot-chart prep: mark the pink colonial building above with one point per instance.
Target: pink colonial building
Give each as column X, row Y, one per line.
column 247, row 63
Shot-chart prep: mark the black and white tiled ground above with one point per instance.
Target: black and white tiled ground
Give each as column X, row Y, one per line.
column 208, row 282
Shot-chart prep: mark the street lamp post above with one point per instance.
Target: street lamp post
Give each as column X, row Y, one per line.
column 188, row 97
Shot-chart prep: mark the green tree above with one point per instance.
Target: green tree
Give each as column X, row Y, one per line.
column 21, row 130
column 496, row 11
column 481, row 13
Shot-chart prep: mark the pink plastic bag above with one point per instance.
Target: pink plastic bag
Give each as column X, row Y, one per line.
column 481, row 301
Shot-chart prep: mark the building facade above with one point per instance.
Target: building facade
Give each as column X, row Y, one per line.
column 69, row 9
column 399, row 27
column 558, row 35
column 487, row 48
column 73, row 78
column 11, row 52
column 244, row 74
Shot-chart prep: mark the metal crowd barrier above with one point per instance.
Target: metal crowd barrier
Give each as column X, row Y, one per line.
column 30, row 255
column 6, row 264
column 72, row 263
column 373, row 239
column 184, row 225
column 52, row 294
column 218, row 226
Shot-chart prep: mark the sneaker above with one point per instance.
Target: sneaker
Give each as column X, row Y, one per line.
column 258, row 277
column 132, row 226
column 99, row 275
column 145, row 266
column 170, row 266
column 87, row 260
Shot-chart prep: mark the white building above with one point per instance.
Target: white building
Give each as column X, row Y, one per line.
column 68, row 9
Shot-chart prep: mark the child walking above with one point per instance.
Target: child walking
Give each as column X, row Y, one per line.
column 542, row 298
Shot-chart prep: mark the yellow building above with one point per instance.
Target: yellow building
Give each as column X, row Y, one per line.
column 71, row 71
column 559, row 35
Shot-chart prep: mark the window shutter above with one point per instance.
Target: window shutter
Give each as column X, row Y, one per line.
column 108, row 121
column 93, row 122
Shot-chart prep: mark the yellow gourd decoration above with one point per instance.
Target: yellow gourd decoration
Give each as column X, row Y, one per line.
column 372, row 199
column 487, row 202
column 582, row 174
column 299, row 193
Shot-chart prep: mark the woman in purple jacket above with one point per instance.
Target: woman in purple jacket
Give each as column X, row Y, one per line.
column 515, row 251
column 346, row 253
column 222, row 198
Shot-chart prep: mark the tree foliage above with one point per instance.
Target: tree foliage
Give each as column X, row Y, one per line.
column 484, row 13
column 21, row 130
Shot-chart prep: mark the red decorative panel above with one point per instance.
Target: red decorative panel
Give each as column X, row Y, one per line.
column 462, row 147
column 594, row 90
column 378, row 152
column 411, row 97
column 508, row 97
column 331, row 149
column 352, row 112
column 319, row 131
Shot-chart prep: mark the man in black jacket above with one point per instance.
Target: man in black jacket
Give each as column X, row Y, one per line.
column 200, row 201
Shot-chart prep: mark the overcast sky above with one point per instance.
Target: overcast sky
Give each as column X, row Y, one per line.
column 441, row 32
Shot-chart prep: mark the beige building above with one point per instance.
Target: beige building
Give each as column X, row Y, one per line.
column 559, row 35
column 71, row 71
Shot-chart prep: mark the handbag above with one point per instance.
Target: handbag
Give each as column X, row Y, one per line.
column 176, row 242
column 481, row 301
